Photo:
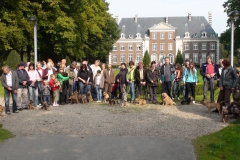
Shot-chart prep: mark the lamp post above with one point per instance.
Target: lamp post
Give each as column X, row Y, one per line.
column 33, row 20
column 234, row 15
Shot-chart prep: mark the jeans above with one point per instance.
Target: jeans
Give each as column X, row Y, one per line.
column 14, row 98
column 166, row 88
column 132, row 90
column 153, row 93
column 83, row 88
column 99, row 92
column 76, row 86
column 139, row 88
column 33, row 95
column 22, row 97
column 46, row 98
column 190, row 87
column 176, row 88
column 211, row 83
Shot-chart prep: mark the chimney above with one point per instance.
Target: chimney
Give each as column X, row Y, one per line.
column 166, row 20
column 136, row 17
column 116, row 19
column 189, row 16
column 210, row 18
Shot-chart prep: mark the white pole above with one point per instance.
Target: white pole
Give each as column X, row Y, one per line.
column 232, row 41
column 35, row 42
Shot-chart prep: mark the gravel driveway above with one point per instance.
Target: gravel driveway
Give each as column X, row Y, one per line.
column 100, row 119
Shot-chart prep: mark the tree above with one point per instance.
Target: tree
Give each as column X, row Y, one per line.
column 146, row 59
column 13, row 59
column 68, row 61
column 179, row 58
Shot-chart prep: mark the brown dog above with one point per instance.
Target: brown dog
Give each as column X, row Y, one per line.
column 212, row 105
column 105, row 97
column 82, row 98
column 111, row 102
column 2, row 111
column 139, row 101
column 89, row 97
column 224, row 115
column 30, row 105
column 167, row 100
column 45, row 106
column 74, row 97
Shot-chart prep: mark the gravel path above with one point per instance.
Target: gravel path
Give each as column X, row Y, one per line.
column 99, row 119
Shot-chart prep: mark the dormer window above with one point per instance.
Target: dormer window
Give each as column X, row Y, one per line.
column 187, row 35
column 195, row 35
column 212, row 35
column 204, row 35
column 122, row 35
column 138, row 35
column 130, row 36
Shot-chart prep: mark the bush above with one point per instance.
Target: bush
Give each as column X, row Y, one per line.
column 13, row 60
column 179, row 58
column 146, row 59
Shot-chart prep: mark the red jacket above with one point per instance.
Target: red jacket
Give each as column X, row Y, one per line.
column 52, row 85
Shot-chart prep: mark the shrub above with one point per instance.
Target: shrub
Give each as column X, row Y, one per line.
column 146, row 59
column 13, row 59
column 179, row 58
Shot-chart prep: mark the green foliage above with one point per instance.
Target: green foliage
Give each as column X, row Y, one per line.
column 68, row 61
column 4, row 134
column 179, row 58
column 146, row 59
column 13, row 59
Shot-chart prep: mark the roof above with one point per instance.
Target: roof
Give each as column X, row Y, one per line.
column 198, row 24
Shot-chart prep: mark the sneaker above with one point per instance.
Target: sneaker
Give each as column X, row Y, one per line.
column 8, row 113
column 193, row 102
column 173, row 98
column 178, row 98
column 16, row 111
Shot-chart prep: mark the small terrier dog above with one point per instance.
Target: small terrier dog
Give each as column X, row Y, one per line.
column 2, row 111
column 105, row 97
column 167, row 100
column 89, row 97
column 111, row 102
column 82, row 98
column 212, row 105
column 224, row 115
column 45, row 106
column 139, row 101
column 30, row 105
column 74, row 97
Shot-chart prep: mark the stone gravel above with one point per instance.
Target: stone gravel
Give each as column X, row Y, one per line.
column 178, row 121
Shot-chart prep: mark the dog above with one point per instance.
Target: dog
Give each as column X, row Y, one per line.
column 224, row 115
column 2, row 111
column 167, row 100
column 89, row 97
column 212, row 105
column 82, row 98
column 30, row 105
column 111, row 102
column 187, row 101
column 139, row 101
column 105, row 97
column 45, row 106
column 74, row 97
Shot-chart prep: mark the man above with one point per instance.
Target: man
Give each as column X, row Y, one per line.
column 22, row 91
column 123, row 83
column 140, row 80
column 209, row 72
column 131, row 80
column 76, row 85
column 72, row 76
column 109, row 79
column 167, row 76
column 10, row 84
column 89, row 87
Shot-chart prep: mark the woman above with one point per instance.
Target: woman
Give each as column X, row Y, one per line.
column 177, row 81
column 152, row 81
column 228, row 82
column 63, row 79
column 190, row 79
column 83, row 79
column 33, row 85
column 40, row 82
column 48, row 71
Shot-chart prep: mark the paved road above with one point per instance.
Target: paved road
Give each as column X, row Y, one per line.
column 62, row 147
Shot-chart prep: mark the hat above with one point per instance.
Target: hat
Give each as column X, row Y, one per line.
column 22, row 64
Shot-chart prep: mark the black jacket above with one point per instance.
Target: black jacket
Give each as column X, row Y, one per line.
column 122, row 76
column 152, row 76
column 230, row 79
column 23, row 76
column 137, row 75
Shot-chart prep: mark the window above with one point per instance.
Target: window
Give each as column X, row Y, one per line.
column 153, row 57
column 186, row 56
column 213, row 57
column 122, row 58
column 162, row 36
column 138, row 35
column 162, row 46
column 171, row 58
column 115, row 48
column 122, row 47
column 203, row 57
column 212, row 46
column 114, row 58
column 204, row 34
column 204, row 46
column 195, row 35
column 138, row 47
column 122, row 35
column 130, row 57
column 170, row 46
column 186, row 46
column 138, row 58
column 130, row 36
column 154, row 47
column 161, row 58
column 195, row 57
column 154, row 36
column 195, row 46
column 169, row 35
column 130, row 47
column 212, row 35
column 187, row 35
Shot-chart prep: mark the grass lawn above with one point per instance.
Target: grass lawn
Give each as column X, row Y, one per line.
column 4, row 134
column 224, row 144
column 1, row 90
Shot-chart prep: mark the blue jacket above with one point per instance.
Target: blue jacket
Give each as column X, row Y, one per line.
column 188, row 77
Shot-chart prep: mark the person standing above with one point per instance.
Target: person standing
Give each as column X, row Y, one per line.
column 10, row 83
column 48, row 71
column 83, row 78
column 131, row 80
column 108, row 75
column 122, row 79
column 55, row 89
column 40, row 82
column 76, row 85
column 185, row 66
column 140, row 79
column 177, row 81
column 90, row 72
column 98, row 85
column 167, row 76
column 63, row 79
column 152, row 81
column 71, row 75
column 190, row 80
column 208, row 72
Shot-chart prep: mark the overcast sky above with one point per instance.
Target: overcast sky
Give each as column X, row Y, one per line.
column 163, row 8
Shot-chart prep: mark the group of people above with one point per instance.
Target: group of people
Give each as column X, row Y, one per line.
column 45, row 82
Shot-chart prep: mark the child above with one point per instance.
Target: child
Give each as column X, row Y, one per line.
column 55, row 89
column 99, row 84
column 46, row 92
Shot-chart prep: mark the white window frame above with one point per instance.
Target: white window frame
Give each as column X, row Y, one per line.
column 130, row 47
column 122, row 35
column 122, row 58
column 138, row 35
column 204, row 34
column 162, row 35
column 213, row 57
column 204, row 48
column 122, row 48
column 154, row 57
column 171, row 58
column 186, row 56
column 138, row 47
column 162, row 46
column 212, row 46
column 170, row 35
column 154, row 35
column 170, row 46
column 138, row 58
column 154, row 46
column 195, row 57
column 114, row 58
column 161, row 58
column 187, row 35
column 195, row 46
column 204, row 57
column 115, row 48
column 186, row 46
column 130, row 57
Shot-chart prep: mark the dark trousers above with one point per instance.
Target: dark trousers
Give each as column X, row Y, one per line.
column 108, row 88
column 176, row 89
column 140, row 88
column 76, row 86
column 166, row 88
column 190, row 87
column 46, row 98
column 208, row 82
column 153, row 93
column 69, row 91
column 6, row 98
column 224, row 95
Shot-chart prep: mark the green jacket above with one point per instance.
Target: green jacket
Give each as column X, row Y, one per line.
column 62, row 78
column 131, row 74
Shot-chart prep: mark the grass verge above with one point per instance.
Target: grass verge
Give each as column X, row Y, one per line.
column 5, row 134
column 223, row 144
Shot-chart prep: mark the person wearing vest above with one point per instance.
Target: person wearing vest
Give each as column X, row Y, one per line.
column 167, row 76
column 108, row 75
column 209, row 74
column 10, row 83
column 152, row 81
column 140, row 80
column 131, row 80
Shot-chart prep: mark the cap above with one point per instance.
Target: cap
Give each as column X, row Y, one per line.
column 22, row 64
